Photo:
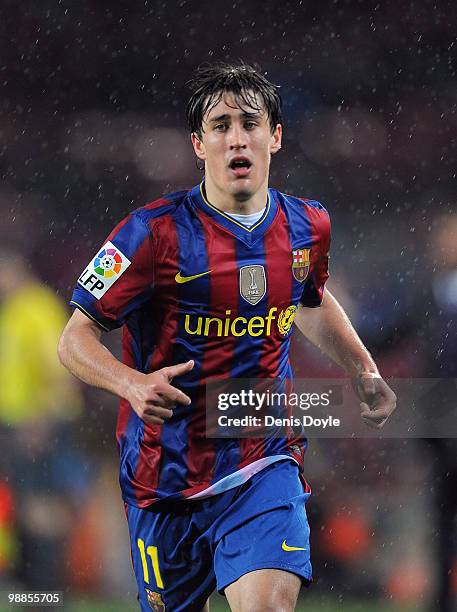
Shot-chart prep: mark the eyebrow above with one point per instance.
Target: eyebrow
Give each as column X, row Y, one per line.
column 227, row 116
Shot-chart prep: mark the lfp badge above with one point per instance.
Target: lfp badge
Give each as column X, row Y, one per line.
column 300, row 264
column 104, row 270
column 108, row 263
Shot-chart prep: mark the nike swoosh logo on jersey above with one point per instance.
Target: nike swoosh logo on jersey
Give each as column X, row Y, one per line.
column 186, row 279
column 291, row 548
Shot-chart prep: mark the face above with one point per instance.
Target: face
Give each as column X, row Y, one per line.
column 236, row 146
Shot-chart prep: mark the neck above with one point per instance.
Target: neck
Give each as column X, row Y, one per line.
column 236, row 203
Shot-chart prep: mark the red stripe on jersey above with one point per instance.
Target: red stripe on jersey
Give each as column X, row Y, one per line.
column 251, row 449
column 165, row 278
column 148, row 466
column 218, row 353
column 278, row 255
column 157, row 204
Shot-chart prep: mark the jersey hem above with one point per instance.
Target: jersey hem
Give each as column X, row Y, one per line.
column 243, row 474
column 196, row 493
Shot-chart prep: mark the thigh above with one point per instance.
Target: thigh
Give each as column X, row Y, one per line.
column 264, row 590
column 171, row 559
column 268, row 531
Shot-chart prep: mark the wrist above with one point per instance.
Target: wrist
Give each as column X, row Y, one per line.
column 369, row 374
column 366, row 369
column 127, row 379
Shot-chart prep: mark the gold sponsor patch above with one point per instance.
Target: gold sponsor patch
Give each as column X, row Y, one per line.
column 253, row 283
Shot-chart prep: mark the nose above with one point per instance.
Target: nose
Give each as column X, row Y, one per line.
column 237, row 137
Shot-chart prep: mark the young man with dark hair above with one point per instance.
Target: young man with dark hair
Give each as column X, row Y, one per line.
column 200, row 281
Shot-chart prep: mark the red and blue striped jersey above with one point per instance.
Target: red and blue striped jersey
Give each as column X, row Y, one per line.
column 187, row 281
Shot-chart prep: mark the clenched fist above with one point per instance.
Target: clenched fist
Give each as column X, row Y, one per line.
column 378, row 399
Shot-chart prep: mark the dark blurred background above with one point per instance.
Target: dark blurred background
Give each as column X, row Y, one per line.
column 92, row 126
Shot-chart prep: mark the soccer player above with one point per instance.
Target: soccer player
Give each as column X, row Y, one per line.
column 206, row 284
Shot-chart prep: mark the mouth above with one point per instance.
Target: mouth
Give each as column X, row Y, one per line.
column 240, row 166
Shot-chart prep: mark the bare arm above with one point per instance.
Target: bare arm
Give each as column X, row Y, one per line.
column 150, row 395
column 329, row 328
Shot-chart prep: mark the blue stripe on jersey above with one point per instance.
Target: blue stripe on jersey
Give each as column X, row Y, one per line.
column 132, row 311
column 131, row 235
column 227, row 455
column 284, row 367
column 299, row 225
column 148, row 214
column 174, row 434
column 135, row 333
column 129, row 452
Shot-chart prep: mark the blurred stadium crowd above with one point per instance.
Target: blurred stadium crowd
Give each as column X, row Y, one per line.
column 92, row 126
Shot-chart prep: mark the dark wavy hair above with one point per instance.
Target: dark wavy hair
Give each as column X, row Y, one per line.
column 211, row 81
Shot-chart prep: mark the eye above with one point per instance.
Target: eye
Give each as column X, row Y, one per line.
column 220, row 127
column 250, row 125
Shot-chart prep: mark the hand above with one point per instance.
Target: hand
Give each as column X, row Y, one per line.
column 153, row 398
column 378, row 399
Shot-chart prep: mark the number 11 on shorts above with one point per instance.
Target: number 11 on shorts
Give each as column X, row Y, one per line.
column 154, row 555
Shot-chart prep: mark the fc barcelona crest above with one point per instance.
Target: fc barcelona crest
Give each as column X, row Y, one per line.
column 155, row 601
column 300, row 264
column 253, row 284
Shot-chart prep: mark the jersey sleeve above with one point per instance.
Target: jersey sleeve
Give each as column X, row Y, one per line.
column 313, row 286
column 120, row 278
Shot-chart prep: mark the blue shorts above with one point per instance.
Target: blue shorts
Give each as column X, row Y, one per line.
column 182, row 552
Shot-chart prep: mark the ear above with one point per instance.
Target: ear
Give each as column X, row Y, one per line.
column 276, row 139
column 198, row 145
